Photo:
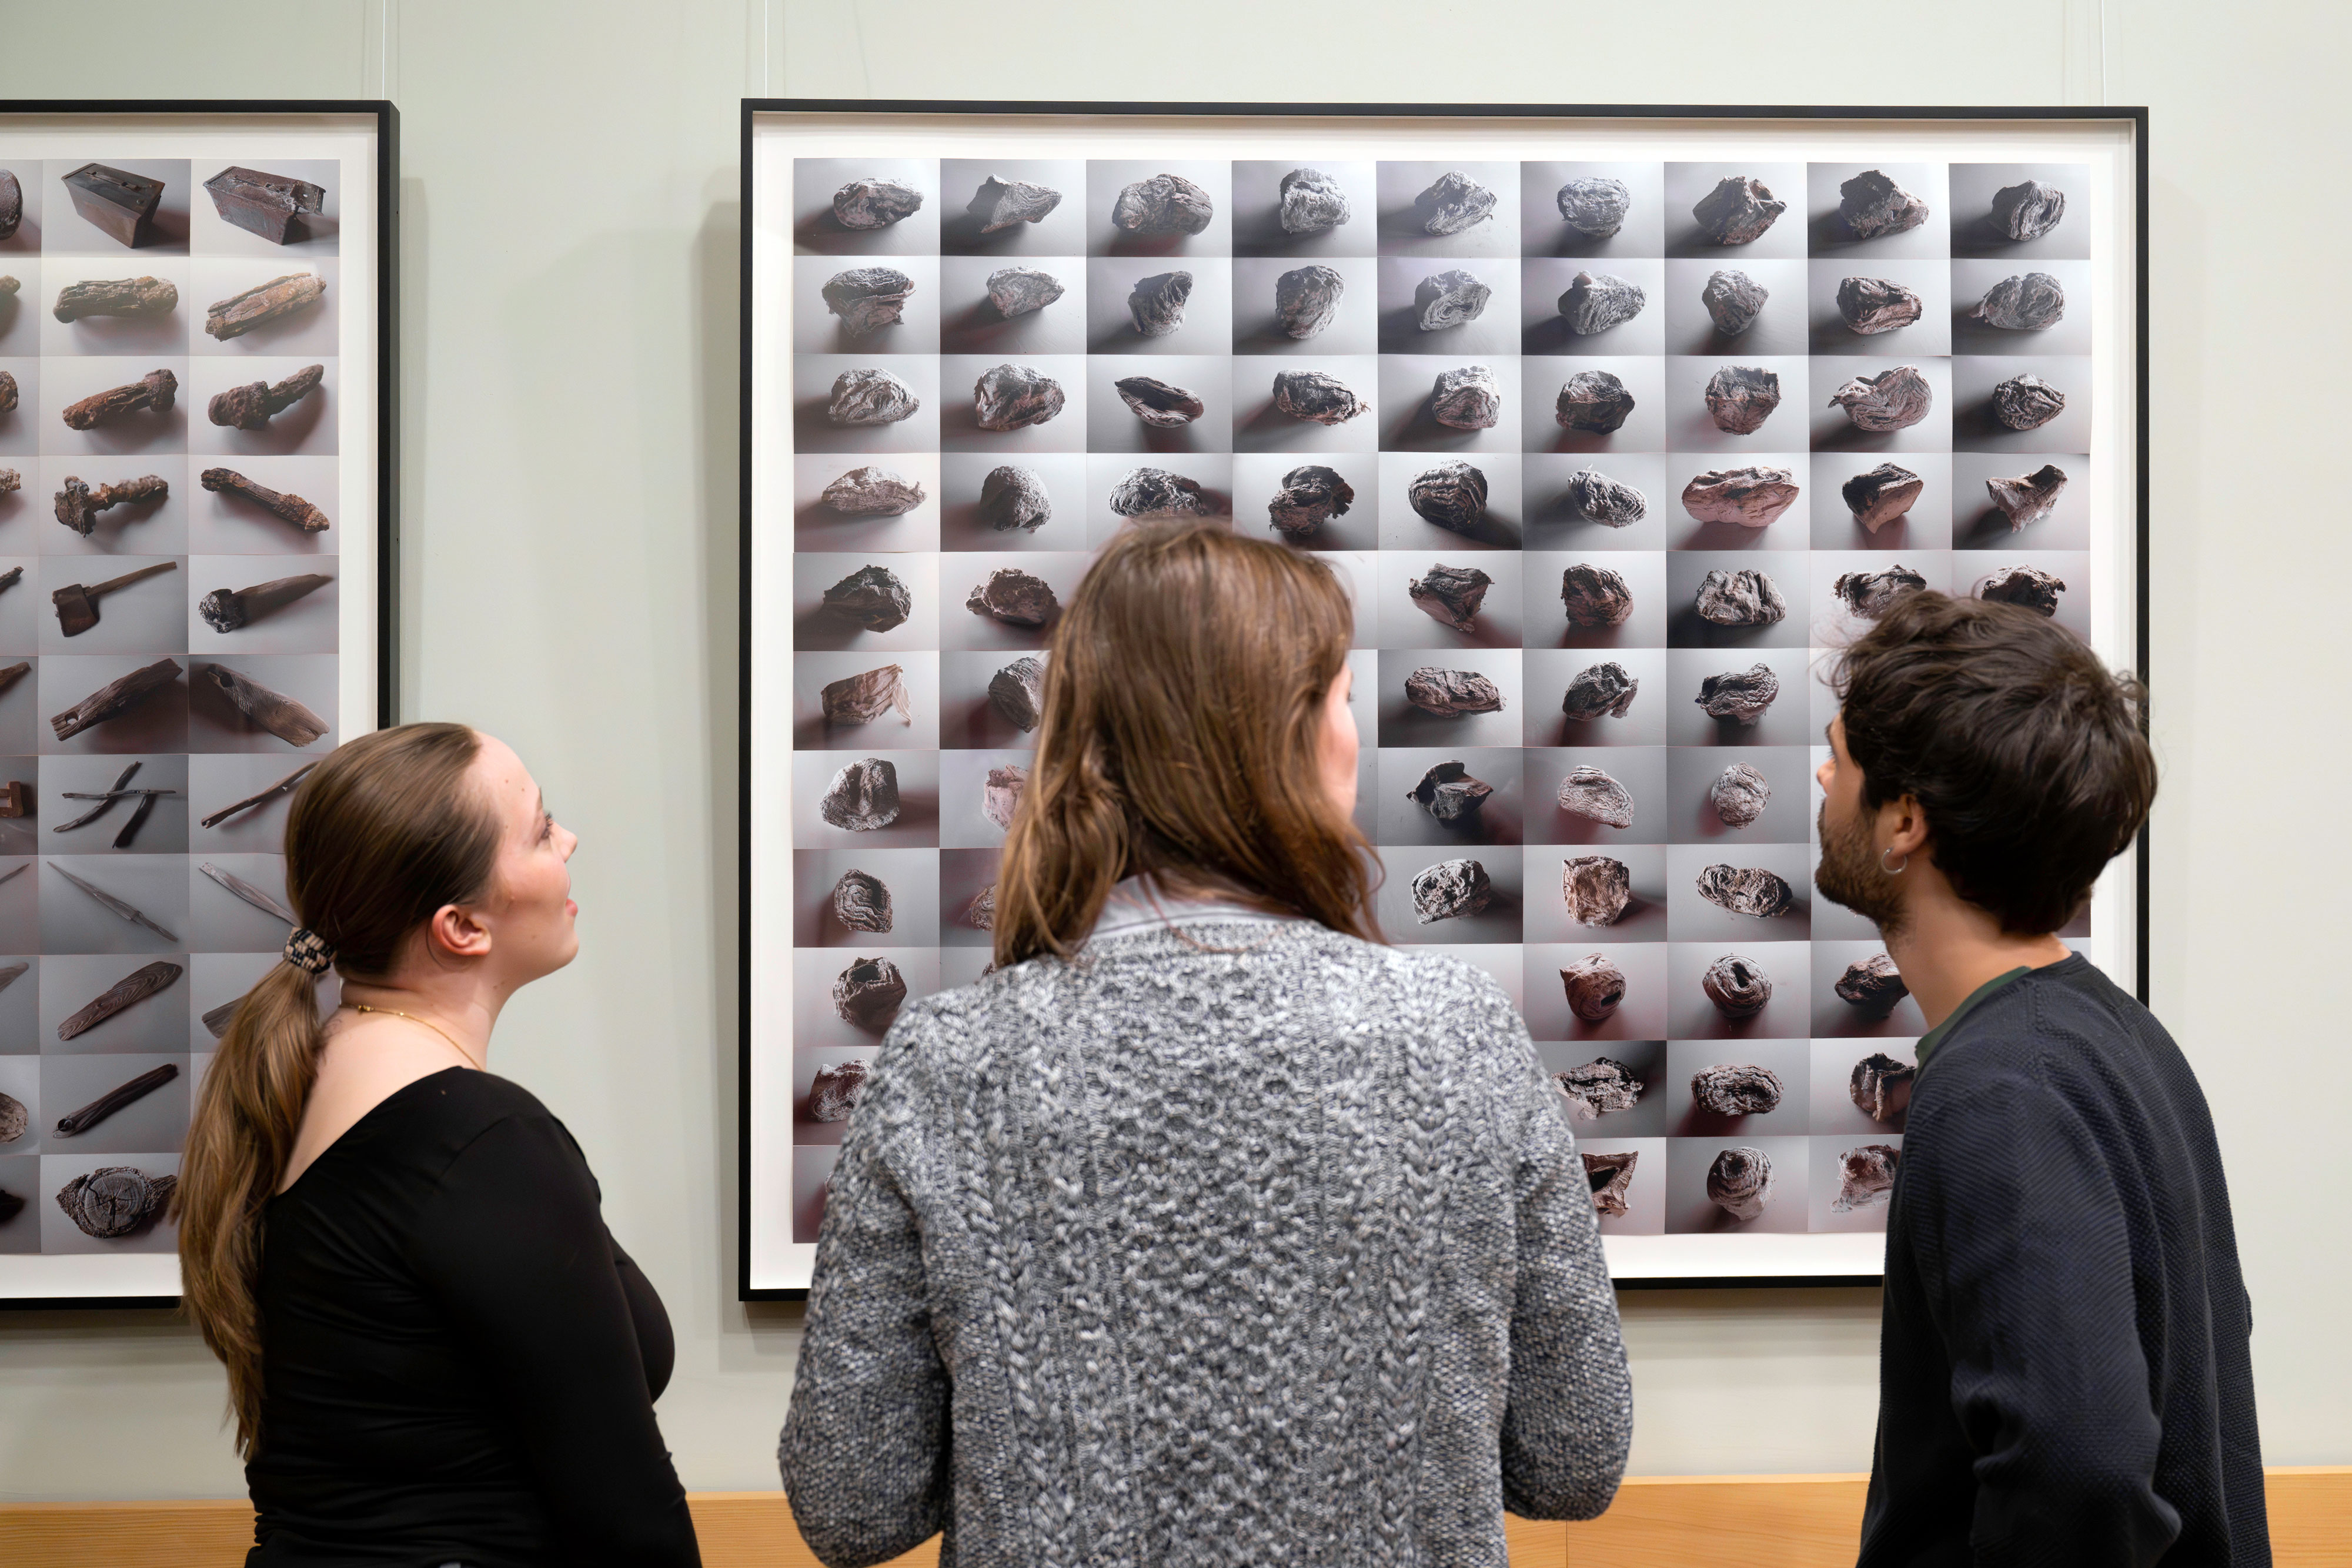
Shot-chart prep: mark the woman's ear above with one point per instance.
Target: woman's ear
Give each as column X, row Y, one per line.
column 454, row 931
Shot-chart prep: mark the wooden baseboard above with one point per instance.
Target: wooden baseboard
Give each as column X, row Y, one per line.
column 1657, row 1522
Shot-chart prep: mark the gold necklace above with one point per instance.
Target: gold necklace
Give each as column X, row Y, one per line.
column 428, row 1023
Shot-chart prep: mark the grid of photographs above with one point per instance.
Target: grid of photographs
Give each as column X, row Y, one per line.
column 1613, row 456
column 170, row 609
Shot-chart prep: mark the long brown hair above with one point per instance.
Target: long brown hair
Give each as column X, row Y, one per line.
column 1184, row 711
column 386, row 830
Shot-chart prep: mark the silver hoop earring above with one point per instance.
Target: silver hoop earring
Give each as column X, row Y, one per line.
column 1892, row 870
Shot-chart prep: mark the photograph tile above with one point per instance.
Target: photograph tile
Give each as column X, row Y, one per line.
column 1466, row 306
column 1318, row 209
column 889, row 307
column 1577, row 501
column 1148, row 403
column 1424, row 598
column 1592, row 308
column 843, row 701
column 889, row 799
column 1595, row 795
column 1737, row 600
column 1448, row 208
column 1598, row 211
column 1908, row 495
column 1614, row 403
column 1431, row 501
column 2041, row 499
column 1178, row 208
column 1007, row 207
column 1987, row 222
column 1290, row 308
column 1448, row 697
column 1124, row 488
column 130, row 209
column 842, row 504
column 1992, row 397
column 1762, row 1182
column 1034, row 502
column 1454, row 797
column 1878, row 308
column 1139, row 304
column 1578, row 696
column 1730, row 797
column 866, row 206
column 1451, row 893
column 1865, row 212
column 1619, row 892
column 1724, row 307
column 1736, row 210
column 1010, row 308
column 1035, row 403
column 1326, row 500
column 1596, row 599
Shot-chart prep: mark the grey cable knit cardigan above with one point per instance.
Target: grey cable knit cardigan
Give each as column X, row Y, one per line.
column 1170, row 1257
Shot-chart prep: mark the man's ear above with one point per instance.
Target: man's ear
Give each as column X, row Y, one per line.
column 454, row 932
column 1903, row 825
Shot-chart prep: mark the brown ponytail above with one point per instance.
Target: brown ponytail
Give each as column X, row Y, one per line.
column 384, row 831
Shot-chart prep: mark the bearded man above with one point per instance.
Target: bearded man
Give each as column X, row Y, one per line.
column 2064, row 1374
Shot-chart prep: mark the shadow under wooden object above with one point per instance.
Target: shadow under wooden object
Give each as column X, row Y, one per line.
column 1657, row 1522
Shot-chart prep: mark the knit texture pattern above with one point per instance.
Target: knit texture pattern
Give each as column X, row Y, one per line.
column 1166, row 1256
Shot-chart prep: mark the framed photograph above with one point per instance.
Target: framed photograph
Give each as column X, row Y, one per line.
column 1628, row 419
column 197, row 529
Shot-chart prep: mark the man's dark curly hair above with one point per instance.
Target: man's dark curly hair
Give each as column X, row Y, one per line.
column 2028, row 755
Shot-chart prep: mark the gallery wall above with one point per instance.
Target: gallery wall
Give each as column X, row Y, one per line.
column 569, row 336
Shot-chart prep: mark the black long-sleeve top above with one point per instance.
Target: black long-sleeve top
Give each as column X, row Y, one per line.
column 2065, row 1369
column 459, row 1366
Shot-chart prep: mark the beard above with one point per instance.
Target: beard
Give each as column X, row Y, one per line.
column 1850, row 876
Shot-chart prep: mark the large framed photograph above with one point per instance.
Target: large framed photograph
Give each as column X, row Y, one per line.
column 196, row 536
column 1620, row 423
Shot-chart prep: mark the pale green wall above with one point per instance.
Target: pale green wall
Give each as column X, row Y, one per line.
column 570, row 341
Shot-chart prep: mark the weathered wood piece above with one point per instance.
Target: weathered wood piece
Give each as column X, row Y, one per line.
column 115, row 202
column 1594, row 401
column 1449, row 794
column 251, row 894
column 1598, row 498
column 217, row 1019
column 1881, row 495
column 1596, row 989
column 1741, row 398
column 1747, row 890
column 1316, row 396
column 1738, row 987
column 1001, row 203
column 1010, row 396
column 116, row 1200
column 1311, row 495
column 872, row 491
column 2027, row 211
column 276, row 712
column 872, row 596
column 2027, row 302
column 12, row 204
column 1594, row 597
column 1013, row 497
column 228, row 609
column 874, row 203
column 1148, row 492
column 115, row 1099
column 284, row 786
column 1017, row 692
column 1872, row 985
column 863, row 796
column 1610, row 1176
column 1603, row 1084
column 1597, row 301
column 1587, row 791
column 116, row 297
column 11, row 578
column 270, row 205
column 8, row 395
column 980, row 913
column 157, row 391
column 868, row 993
column 1455, row 202
column 1595, row 207
column 1866, row 1177
column 1452, row 496
column 867, row 298
column 146, row 809
column 1739, row 795
column 1875, row 304
column 1599, row 691
column 1014, row 596
column 78, row 603
column 1753, row 497
column 77, row 505
column 10, row 674
column 1446, row 299
column 283, row 505
column 1159, row 404
column 10, row 479
column 2027, row 402
column 1312, row 204
column 2027, row 586
column 2030, row 498
column 1875, row 206
column 17, row 798
column 262, row 304
column 1450, row 890
column 1163, row 204
column 1451, row 594
column 1880, row 1085
column 250, row 406
column 1892, row 399
column 1466, row 398
column 1870, row 594
column 1017, row 291
column 1733, row 301
column 105, row 801
column 1737, row 210
column 869, row 395
column 1450, row 693
column 1745, row 1090
column 866, row 696
column 835, row 1091
column 1741, row 696
column 1000, row 795
column 120, row 908
column 1739, row 1182
column 1156, row 304
column 1596, row 888
column 1306, row 300
column 1742, row 598
column 861, row 902
column 115, row 699
column 14, row 1120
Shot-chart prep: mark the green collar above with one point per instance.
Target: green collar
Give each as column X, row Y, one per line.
column 1935, row 1036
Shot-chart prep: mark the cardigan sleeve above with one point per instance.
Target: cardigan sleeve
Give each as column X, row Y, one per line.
column 865, row 1449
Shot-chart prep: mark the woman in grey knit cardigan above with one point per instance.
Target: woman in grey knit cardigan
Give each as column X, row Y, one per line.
column 1205, row 1229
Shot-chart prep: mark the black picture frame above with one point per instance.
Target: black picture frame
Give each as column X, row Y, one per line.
column 386, row 133
column 2135, row 118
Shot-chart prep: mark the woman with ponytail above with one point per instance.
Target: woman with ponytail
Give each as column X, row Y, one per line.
column 1206, row 1230
column 436, row 1354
